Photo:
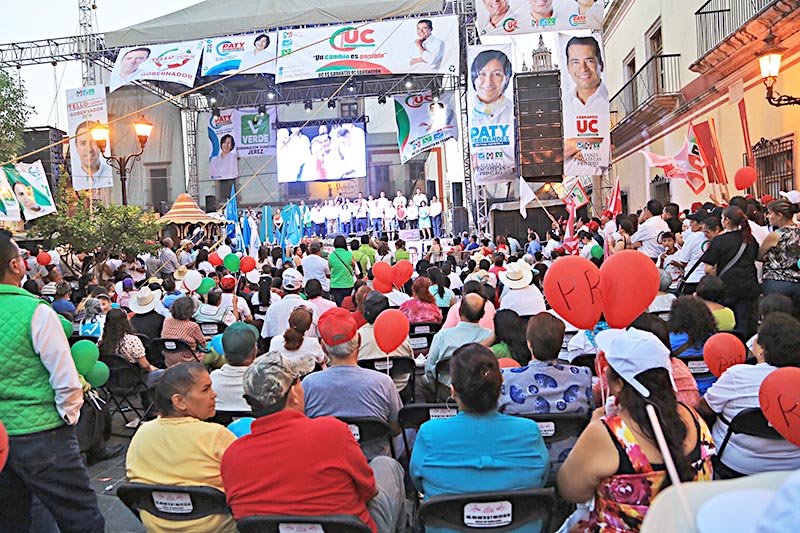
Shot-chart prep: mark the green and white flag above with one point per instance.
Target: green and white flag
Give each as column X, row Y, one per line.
column 423, row 122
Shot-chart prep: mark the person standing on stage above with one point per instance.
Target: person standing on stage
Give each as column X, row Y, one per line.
column 436, row 216
column 376, row 216
column 401, row 216
column 390, row 220
column 332, row 217
column 399, row 199
column 362, row 212
column 419, row 197
column 318, row 219
column 345, row 214
column 412, row 215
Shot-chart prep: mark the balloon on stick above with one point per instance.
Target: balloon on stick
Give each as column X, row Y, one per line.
column 629, row 283
column 744, row 178
column 192, row 280
column 85, row 355
column 247, row 264
column 98, row 375
column 779, row 397
column 214, row 259
column 206, row 285
column 723, row 350
column 224, row 251
column 43, row 258
column 232, row 262
column 391, row 329
column 402, row 272
column 572, row 286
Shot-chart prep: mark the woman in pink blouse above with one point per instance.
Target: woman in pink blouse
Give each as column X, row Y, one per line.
column 180, row 326
column 422, row 307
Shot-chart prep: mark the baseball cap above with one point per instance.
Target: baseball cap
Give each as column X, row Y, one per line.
column 699, row 216
column 593, row 225
column 374, row 304
column 696, row 206
column 127, row 284
column 239, row 339
column 792, row 196
column 632, row 351
column 607, row 214
column 767, row 198
column 292, row 279
column 228, row 282
column 336, row 326
column 271, row 375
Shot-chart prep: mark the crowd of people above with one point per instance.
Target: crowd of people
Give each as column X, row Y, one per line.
column 296, row 331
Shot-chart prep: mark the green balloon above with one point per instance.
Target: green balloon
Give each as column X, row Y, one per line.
column 206, row 285
column 232, row 262
column 98, row 375
column 85, row 355
column 67, row 325
column 597, row 252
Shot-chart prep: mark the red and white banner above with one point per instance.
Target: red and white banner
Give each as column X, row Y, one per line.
column 682, row 165
column 615, row 202
column 175, row 62
column 709, row 148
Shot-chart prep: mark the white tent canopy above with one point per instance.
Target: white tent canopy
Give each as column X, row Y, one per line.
column 219, row 17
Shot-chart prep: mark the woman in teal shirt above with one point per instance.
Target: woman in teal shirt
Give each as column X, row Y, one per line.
column 479, row 449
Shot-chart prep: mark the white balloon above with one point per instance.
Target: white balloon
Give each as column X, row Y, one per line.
column 54, row 257
column 254, row 276
column 192, row 280
column 224, row 251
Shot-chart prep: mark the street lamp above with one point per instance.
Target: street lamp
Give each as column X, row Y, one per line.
column 769, row 59
column 123, row 164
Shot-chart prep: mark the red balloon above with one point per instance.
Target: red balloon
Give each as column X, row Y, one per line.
column 214, row 259
column 507, row 362
column 381, row 286
column 745, row 177
column 382, row 271
column 722, row 351
column 779, row 397
column 391, row 329
column 247, row 264
column 629, row 285
column 43, row 258
column 3, row 445
column 402, row 272
column 572, row 287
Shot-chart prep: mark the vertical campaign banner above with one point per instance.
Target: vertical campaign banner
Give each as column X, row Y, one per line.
column 515, row 17
column 586, row 114
column 414, row 45
column 424, row 122
column 223, row 55
column 222, row 164
column 254, row 135
column 31, row 190
column 175, row 62
column 491, row 114
column 86, row 107
column 9, row 207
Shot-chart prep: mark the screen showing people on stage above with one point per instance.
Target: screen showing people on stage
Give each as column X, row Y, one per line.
column 322, row 152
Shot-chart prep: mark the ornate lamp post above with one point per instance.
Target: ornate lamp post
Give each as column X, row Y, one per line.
column 123, row 164
column 769, row 59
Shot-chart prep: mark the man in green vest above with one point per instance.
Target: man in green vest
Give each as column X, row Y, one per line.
column 40, row 402
column 366, row 255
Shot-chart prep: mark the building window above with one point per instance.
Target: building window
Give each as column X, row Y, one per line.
column 296, row 189
column 659, row 189
column 380, row 180
column 774, row 165
column 349, row 110
column 630, row 96
column 159, row 187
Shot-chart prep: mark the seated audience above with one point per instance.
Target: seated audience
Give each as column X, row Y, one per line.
column 771, row 303
column 211, row 312
column 369, row 393
column 146, row 320
column 662, row 303
column 313, row 291
column 91, row 318
column 690, row 325
column 617, row 459
column 180, row 326
column 358, row 299
column 479, row 448
column 279, row 468
column 440, row 286
column 521, row 297
column 711, row 290
column 239, row 343
column 422, row 306
column 61, row 304
column 119, row 338
column 178, row 448
column 776, row 346
column 276, row 321
column 454, row 314
column 295, row 343
column 374, row 304
column 509, row 337
column 237, row 305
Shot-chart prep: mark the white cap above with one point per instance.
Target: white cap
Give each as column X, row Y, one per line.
column 292, row 279
column 792, row 196
column 631, row 352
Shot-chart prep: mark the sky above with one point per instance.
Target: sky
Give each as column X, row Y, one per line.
column 46, row 85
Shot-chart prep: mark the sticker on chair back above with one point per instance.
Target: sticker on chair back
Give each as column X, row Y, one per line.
column 173, row 502
column 435, row 413
column 418, row 343
column 169, row 345
column 698, row 367
column 355, row 431
column 208, row 329
column 547, row 429
column 422, row 329
column 488, row 514
column 300, row 528
column 383, row 365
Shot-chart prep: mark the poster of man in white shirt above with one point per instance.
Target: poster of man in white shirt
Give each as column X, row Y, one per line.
column 504, row 17
column 586, row 115
column 127, row 69
column 428, row 50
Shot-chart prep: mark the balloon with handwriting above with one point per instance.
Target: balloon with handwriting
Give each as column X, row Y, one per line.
column 572, row 287
column 629, row 284
column 723, row 350
column 779, row 397
column 402, row 272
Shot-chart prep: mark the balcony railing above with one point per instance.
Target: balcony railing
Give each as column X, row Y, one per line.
column 660, row 76
column 716, row 20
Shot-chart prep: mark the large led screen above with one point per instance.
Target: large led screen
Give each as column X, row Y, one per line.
column 322, row 152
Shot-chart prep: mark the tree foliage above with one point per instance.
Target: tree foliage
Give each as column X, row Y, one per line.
column 14, row 111
column 106, row 231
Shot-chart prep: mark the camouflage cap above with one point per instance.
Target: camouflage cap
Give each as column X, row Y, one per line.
column 271, row 375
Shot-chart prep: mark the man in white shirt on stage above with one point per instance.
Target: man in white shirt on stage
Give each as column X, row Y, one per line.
column 419, row 197
column 429, row 48
column 586, row 139
column 651, row 226
column 399, row 199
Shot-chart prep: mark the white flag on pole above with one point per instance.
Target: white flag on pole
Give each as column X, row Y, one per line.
column 526, row 196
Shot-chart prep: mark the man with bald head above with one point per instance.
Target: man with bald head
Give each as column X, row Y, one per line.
column 447, row 340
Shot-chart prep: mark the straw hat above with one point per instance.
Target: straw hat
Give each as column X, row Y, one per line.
column 180, row 272
column 517, row 275
column 144, row 301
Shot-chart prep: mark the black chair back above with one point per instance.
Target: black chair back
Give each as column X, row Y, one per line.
column 212, row 328
column 421, row 334
column 414, row 415
column 489, row 511
column 586, row 360
column 396, row 368
column 441, row 371
column 75, row 338
column 165, row 346
column 368, row 429
column 556, row 427
column 328, row 523
column 171, row 502
column 125, row 381
column 227, row 417
column 750, row 422
column 697, row 366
